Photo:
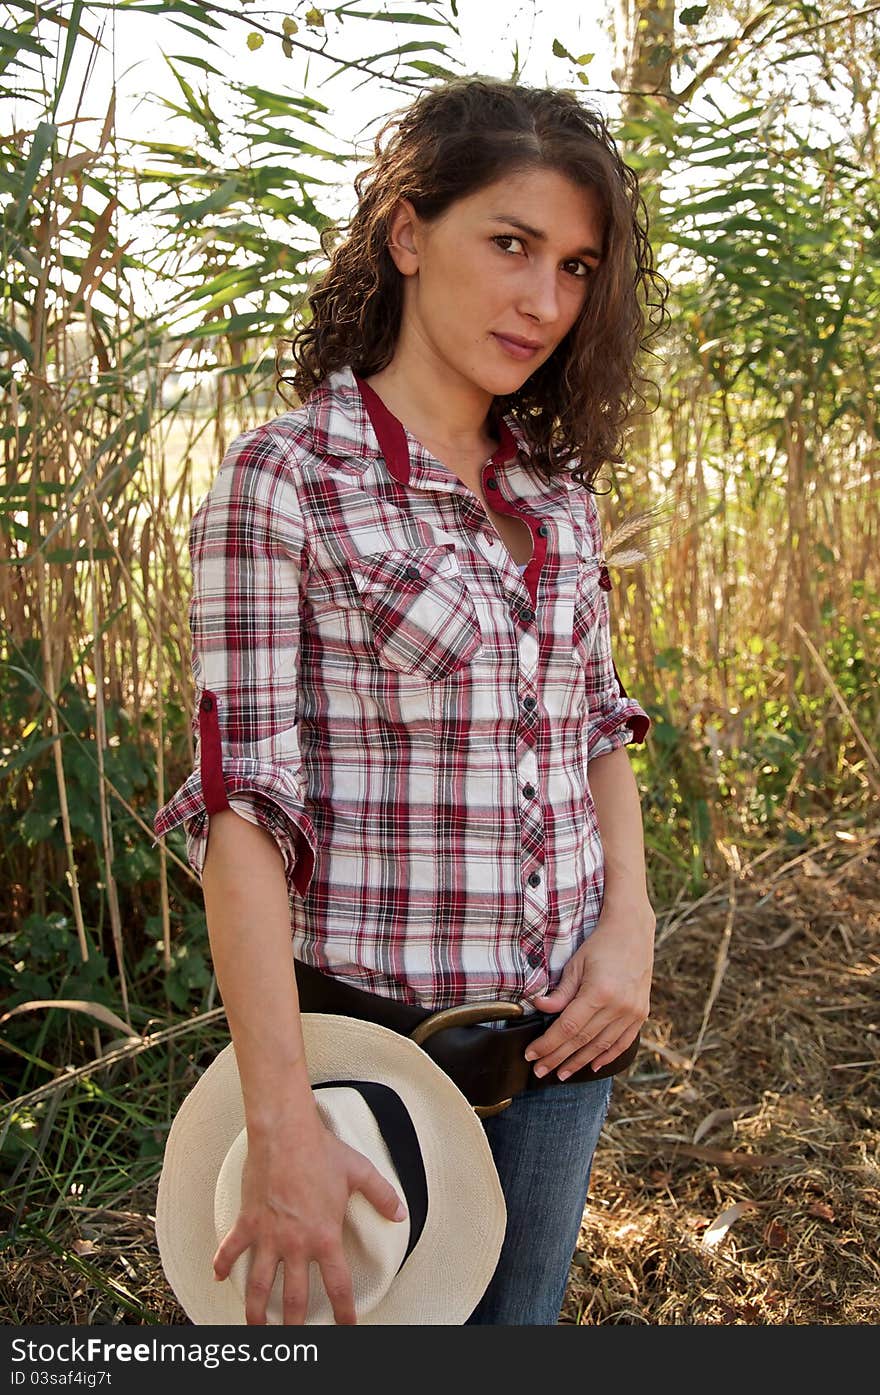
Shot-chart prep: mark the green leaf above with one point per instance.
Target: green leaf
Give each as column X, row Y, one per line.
column 693, row 14
column 221, row 198
column 70, row 44
column 255, row 40
column 202, row 63
column 397, row 17
column 44, row 139
column 10, row 335
column 431, row 69
column 16, row 42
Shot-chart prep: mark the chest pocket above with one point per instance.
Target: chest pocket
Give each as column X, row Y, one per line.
column 421, row 613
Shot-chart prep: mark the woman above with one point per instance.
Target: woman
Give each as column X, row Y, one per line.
column 401, row 646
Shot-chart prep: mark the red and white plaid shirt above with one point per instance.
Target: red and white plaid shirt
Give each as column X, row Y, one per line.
column 409, row 716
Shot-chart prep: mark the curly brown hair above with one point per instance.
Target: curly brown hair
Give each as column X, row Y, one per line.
column 453, row 140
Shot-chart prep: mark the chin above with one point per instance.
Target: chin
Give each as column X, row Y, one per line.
column 501, row 380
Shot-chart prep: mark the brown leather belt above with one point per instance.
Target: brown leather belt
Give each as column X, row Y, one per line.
column 486, row 1063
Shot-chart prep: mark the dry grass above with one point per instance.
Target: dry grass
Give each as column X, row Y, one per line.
column 777, row 1117
column 774, row 1114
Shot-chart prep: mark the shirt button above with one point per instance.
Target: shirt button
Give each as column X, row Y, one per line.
column 527, row 615
column 490, row 483
column 535, row 957
column 542, row 531
column 207, row 704
column 529, row 703
column 529, row 791
column 534, row 880
column 412, row 572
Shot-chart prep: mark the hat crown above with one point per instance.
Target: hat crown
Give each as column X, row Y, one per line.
column 374, row 1246
column 457, row 1215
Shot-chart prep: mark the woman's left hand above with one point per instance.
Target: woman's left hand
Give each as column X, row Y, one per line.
column 604, row 994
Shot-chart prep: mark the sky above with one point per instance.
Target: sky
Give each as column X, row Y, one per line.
column 130, row 57
column 490, row 32
column 133, row 46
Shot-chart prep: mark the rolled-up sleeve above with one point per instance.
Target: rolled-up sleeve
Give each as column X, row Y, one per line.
column 246, row 544
column 615, row 718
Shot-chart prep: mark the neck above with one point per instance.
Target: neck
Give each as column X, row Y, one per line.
column 435, row 404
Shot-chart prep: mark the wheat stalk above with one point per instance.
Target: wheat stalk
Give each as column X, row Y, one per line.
column 666, row 525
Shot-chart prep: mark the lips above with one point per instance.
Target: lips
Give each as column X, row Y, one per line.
column 517, row 339
column 515, row 348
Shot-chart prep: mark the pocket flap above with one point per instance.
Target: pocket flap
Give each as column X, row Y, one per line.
column 405, row 568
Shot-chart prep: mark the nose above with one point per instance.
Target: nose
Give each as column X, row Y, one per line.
column 540, row 297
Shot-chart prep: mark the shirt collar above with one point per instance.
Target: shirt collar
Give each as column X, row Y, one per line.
column 350, row 421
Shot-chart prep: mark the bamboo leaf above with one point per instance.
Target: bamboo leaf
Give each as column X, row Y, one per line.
column 15, row 42
column 44, row 138
column 229, row 190
column 69, row 46
column 397, row 17
column 11, row 336
column 202, row 63
column 432, row 69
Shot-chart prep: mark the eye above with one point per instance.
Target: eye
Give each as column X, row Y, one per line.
column 506, row 237
column 509, row 237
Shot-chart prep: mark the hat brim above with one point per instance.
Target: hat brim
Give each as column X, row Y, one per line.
column 448, row 1271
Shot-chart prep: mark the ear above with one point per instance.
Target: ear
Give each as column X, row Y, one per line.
column 403, row 238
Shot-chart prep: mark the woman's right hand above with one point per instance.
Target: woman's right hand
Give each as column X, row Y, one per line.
column 294, row 1193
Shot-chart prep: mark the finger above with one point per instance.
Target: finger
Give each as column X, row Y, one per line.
column 296, row 1290
column 368, row 1180
column 259, row 1285
column 597, row 1053
column 571, row 1022
column 336, row 1276
column 577, row 1032
column 617, row 1048
column 228, row 1251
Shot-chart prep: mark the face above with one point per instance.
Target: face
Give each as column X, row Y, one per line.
column 515, row 258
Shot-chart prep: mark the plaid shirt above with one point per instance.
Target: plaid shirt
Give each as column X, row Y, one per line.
column 409, row 716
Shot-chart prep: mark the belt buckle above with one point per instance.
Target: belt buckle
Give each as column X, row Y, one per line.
column 466, row 1015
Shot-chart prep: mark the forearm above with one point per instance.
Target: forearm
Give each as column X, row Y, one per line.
column 619, row 813
column 249, row 930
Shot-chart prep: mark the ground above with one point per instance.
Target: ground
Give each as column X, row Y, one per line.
column 738, row 1178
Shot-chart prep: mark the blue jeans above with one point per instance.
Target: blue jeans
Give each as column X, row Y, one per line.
column 543, row 1145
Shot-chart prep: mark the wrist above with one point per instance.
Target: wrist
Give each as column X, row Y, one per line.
column 634, row 904
column 284, row 1111
column 284, row 1126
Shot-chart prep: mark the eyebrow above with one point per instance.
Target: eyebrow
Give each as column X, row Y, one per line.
column 537, row 234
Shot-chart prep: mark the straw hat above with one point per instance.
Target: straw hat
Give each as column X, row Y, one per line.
column 417, row 1129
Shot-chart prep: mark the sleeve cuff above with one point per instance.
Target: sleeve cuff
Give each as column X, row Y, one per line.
column 616, row 722
column 262, row 794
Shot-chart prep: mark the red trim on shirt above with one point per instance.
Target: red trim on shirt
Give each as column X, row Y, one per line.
column 211, row 759
column 640, row 723
column 305, row 863
column 391, row 434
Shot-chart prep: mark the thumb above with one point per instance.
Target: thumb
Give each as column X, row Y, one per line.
column 379, row 1192
column 561, row 995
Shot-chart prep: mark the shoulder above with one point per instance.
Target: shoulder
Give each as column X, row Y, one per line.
column 280, row 447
